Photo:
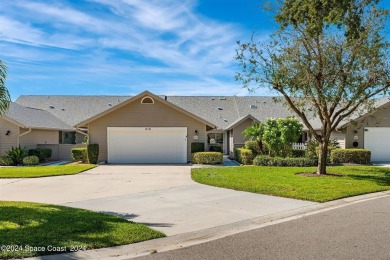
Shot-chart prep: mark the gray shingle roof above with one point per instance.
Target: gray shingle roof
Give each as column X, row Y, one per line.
column 221, row 112
column 35, row 118
column 71, row 109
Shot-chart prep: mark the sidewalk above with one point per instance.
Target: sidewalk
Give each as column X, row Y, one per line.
column 197, row 237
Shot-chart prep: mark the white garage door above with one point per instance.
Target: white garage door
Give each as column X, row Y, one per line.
column 377, row 140
column 147, row 144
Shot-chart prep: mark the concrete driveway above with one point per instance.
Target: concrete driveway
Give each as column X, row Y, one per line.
column 163, row 197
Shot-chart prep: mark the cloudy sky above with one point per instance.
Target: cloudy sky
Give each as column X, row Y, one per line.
column 122, row 47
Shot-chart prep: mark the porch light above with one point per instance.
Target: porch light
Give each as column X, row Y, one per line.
column 8, row 132
column 196, row 135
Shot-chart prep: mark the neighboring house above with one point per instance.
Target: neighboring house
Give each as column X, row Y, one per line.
column 160, row 129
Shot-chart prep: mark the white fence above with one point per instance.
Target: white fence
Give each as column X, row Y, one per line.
column 299, row 146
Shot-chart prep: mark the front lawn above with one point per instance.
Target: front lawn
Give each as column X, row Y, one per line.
column 43, row 171
column 285, row 181
column 33, row 229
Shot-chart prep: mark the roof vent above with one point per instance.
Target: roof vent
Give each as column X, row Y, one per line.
column 51, row 106
column 63, row 109
column 222, row 98
column 212, row 98
column 264, row 102
column 253, row 106
column 109, row 104
column 225, row 120
column 220, row 108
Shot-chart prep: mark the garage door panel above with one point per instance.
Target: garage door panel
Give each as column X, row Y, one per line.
column 153, row 145
column 377, row 140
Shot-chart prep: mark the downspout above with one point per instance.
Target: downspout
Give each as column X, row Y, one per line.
column 81, row 132
column 20, row 135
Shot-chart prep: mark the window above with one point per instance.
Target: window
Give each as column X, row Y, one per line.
column 147, row 100
column 215, row 138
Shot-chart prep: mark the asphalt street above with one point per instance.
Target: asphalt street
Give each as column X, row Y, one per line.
column 357, row 231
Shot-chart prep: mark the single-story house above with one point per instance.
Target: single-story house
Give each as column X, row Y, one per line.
column 149, row 128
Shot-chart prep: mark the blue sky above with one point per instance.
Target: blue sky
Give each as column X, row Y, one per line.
column 122, row 47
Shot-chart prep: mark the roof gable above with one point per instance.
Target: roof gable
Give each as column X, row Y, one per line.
column 134, row 98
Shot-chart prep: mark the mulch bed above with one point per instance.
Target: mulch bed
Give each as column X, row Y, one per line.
column 314, row 174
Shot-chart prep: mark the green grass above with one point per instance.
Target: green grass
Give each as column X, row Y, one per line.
column 43, row 226
column 43, row 171
column 284, row 181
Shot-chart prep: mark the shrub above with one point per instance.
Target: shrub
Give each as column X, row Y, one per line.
column 296, row 153
column 312, row 148
column 17, row 154
column 79, row 154
column 207, row 158
column 6, row 161
column 216, row 148
column 41, row 153
column 265, row 160
column 197, row 147
column 359, row 156
column 253, row 146
column 244, row 156
column 31, row 160
column 93, row 153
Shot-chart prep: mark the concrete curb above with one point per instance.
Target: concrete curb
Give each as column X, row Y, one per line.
column 202, row 236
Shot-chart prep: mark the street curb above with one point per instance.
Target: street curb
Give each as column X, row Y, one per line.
column 202, row 236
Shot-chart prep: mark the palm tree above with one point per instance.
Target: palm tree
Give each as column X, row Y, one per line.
column 5, row 98
column 255, row 133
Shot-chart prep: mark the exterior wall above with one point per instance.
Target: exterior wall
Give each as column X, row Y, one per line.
column 238, row 138
column 136, row 114
column 380, row 118
column 6, row 141
column 340, row 137
column 79, row 138
column 37, row 136
column 61, row 151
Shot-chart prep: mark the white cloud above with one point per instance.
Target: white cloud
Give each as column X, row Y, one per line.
column 156, row 37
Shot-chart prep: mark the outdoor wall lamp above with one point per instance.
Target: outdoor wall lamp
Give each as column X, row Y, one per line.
column 196, row 135
column 8, row 132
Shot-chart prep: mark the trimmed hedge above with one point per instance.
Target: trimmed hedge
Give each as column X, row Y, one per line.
column 296, row 153
column 41, row 153
column 266, row 160
column 6, row 161
column 31, row 160
column 197, row 147
column 253, row 146
column 80, row 154
column 207, row 158
column 359, row 156
column 215, row 148
column 93, row 153
column 244, row 156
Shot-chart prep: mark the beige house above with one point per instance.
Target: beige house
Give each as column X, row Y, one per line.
column 160, row 129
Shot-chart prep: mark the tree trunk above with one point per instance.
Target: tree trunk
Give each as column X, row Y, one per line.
column 322, row 158
column 260, row 144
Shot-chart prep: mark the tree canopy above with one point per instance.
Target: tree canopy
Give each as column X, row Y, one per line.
column 328, row 60
column 5, row 98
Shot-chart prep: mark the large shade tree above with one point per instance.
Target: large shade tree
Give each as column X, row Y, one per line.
column 328, row 60
column 5, row 98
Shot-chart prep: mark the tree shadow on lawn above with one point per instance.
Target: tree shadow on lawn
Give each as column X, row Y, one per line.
column 379, row 175
column 43, row 225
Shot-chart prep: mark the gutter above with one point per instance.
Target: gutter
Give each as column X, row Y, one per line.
column 85, row 134
column 20, row 135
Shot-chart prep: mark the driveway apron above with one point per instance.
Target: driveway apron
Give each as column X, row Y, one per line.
column 160, row 196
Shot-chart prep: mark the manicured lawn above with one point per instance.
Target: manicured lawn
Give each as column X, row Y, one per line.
column 43, row 171
column 41, row 229
column 284, row 181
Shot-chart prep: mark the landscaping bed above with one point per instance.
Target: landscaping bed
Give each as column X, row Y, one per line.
column 34, row 229
column 43, row 171
column 288, row 181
